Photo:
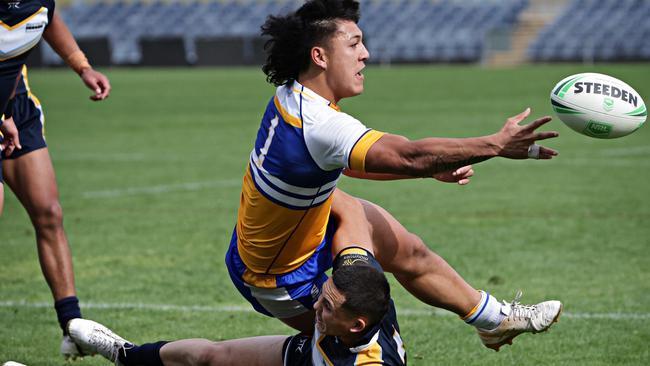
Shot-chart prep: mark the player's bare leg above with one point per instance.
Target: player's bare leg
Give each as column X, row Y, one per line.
column 421, row 271
column 95, row 338
column 430, row 278
column 31, row 177
column 265, row 350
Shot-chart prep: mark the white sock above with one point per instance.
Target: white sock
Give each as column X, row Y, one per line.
column 487, row 314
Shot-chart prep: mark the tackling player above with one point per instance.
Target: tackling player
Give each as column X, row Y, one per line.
column 356, row 324
column 289, row 205
column 28, row 170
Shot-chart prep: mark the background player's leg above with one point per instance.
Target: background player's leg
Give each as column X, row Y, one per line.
column 422, row 272
column 266, row 350
column 31, row 178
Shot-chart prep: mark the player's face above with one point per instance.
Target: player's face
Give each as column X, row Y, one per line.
column 347, row 56
column 331, row 318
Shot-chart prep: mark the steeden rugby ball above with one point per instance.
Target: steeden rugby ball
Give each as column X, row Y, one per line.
column 598, row 105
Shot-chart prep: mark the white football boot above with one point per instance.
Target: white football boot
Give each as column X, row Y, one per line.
column 70, row 350
column 520, row 319
column 94, row 338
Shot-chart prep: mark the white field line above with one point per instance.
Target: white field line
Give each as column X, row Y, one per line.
column 626, row 151
column 160, row 189
column 108, row 157
column 606, row 157
column 245, row 308
column 579, row 161
column 600, row 162
column 127, row 157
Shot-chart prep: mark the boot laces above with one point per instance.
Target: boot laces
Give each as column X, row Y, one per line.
column 108, row 345
column 519, row 310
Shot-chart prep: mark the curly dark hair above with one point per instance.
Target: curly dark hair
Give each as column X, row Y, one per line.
column 293, row 36
column 366, row 291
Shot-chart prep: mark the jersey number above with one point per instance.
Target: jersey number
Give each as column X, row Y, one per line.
column 265, row 149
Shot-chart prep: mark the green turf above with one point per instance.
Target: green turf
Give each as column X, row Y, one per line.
column 149, row 182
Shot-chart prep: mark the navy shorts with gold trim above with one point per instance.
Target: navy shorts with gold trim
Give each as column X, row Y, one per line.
column 29, row 119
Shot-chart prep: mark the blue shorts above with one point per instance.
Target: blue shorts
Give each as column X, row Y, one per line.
column 30, row 121
column 296, row 292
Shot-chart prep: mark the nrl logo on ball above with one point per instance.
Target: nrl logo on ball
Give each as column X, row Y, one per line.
column 608, row 104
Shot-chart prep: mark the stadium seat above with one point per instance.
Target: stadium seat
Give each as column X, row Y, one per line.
column 603, row 30
column 427, row 31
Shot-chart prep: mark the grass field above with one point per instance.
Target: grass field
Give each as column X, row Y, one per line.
column 149, row 181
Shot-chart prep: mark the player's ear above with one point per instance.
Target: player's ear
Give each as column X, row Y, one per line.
column 359, row 325
column 319, row 57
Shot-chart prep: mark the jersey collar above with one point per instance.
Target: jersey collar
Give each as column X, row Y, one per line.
column 312, row 95
column 366, row 342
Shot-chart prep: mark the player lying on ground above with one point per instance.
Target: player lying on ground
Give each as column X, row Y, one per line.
column 355, row 322
column 29, row 171
column 286, row 228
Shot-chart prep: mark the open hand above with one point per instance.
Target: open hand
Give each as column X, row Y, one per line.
column 515, row 139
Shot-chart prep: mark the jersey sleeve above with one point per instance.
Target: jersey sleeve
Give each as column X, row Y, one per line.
column 339, row 141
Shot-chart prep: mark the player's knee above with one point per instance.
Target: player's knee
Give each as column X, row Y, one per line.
column 49, row 216
column 419, row 249
column 414, row 256
column 214, row 354
column 344, row 205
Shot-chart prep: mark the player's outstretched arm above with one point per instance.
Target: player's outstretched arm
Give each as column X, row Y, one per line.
column 460, row 175
column 59, row 37
column 396, row 154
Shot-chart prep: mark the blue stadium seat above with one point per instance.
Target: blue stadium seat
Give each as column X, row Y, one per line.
column 600, row 30
column 426, row 31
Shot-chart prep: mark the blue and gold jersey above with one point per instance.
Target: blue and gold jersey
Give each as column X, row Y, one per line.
column 22, row 24
column 302, row 145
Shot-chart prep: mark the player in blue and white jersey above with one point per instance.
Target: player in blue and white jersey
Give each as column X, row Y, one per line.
column 28, row 169
column 286, row 229
column 356, row 324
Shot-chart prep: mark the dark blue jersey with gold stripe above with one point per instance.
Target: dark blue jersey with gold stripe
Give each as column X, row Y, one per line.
column 381, row 345
column 22, row 24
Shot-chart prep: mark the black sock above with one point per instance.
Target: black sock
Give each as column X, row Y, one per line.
column 147, row 354
column 66, row 310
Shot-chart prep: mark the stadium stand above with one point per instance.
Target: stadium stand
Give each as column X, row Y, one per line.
column 596, row 30
column 397, row 30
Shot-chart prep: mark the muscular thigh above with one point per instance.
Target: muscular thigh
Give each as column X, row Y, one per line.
column 31, row 178
column 363, row 223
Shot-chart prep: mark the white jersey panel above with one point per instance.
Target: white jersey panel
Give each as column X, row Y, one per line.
column 330, row 137
column 23, row 36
